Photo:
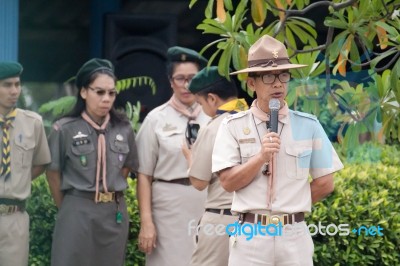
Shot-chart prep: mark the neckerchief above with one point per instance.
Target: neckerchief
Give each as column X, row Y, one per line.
column 233, row 106
column 260, row 114
column 191, row 112
column 282, row 114
column 101, row 151
column 5, row 123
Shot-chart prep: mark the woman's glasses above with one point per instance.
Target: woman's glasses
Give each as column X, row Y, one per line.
column 102, row 92
column 181, row 80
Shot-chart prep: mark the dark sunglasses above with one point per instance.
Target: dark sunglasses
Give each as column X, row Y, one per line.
column 191, row 132
column 102, row 92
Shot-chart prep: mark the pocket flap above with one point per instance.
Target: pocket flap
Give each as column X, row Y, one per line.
column 119, row 147
column 298, row 151
column 82, row 149
column 171, row 133
column 25, row 145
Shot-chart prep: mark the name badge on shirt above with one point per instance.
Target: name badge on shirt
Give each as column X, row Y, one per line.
column 250, row 140
column 80, row 139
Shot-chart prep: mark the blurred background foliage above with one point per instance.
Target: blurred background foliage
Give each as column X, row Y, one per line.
column 360, row 39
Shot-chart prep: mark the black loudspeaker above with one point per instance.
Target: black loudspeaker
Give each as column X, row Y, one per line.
column 137, row 46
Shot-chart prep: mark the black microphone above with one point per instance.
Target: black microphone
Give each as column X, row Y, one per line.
column 274, row 106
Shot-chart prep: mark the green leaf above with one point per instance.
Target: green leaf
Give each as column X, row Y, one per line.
column 58, row 107
column 208, row 12
column 391, row 30
column 290, row 39
column 192, row 3
column 335, row 23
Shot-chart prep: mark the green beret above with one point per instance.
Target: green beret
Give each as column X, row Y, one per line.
column 89, row 68
column 181, row 54
column 10, row 70
column 207, row 78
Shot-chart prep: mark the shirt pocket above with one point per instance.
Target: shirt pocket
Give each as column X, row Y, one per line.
column 118, row 152
column 23, row 153
column 247, row 151
column 171, row 140
column 84, row 156
column 297, row 162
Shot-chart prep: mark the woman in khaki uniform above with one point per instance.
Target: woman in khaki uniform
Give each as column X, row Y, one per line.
column 93, row 150
column 167, row 201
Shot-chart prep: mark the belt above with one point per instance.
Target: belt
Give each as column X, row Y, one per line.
column 9, row 206
column 265, row 219
column 103, row 196
column 220, row 211
column 180, row 181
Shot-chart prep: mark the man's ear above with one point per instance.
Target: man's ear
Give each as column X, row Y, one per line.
column 83, row 93
column 251, row 83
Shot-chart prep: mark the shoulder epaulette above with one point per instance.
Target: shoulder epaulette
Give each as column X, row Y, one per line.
column 65, row 120
column 235, row 116
column 310, row 116
column 30, row 114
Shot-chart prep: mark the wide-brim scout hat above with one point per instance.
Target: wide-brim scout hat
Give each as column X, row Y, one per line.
column 90, row 67
column 10, row 70
column 182, row 54
column 267, row 54
column 207, row 78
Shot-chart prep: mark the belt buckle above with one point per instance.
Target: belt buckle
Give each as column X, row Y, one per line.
column 106, row 197
column 5, row 209
column 275, row 219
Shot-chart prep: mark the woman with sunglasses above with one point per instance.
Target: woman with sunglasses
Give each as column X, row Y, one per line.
column 93, row 151
column 167, row 201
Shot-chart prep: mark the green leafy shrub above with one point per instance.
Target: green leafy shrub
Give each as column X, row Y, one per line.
column 42, row 212
column 367, row 193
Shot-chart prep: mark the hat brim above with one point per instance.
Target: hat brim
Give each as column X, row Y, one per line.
column 267, row 68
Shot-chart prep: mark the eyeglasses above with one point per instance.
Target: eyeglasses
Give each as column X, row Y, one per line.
column 191, row 132
column 270, row 78
column 102, row 92
column 181, row 80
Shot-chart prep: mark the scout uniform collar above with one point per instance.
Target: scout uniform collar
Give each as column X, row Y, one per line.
column 233, row 106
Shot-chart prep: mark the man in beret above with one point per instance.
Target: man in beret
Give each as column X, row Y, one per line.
column 265, row 156
column 218, row 98
column 24, row 154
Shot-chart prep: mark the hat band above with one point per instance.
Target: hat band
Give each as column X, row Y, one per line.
column 269, row 62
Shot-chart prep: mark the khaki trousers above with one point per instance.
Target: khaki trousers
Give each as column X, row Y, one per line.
column 212, row 247
column 293, row 250
column 14, row 239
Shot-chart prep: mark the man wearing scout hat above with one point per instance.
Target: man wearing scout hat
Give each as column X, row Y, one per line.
column 167, row 201
column 268, row 171
column 24, row 153
column 218, row 98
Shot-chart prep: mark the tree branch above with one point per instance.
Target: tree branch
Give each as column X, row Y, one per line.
column 313, row 5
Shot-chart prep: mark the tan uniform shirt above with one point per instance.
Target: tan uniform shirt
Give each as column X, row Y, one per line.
column 159, row 143
column 29, row 148
column 217, row 197
column 305, row 149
